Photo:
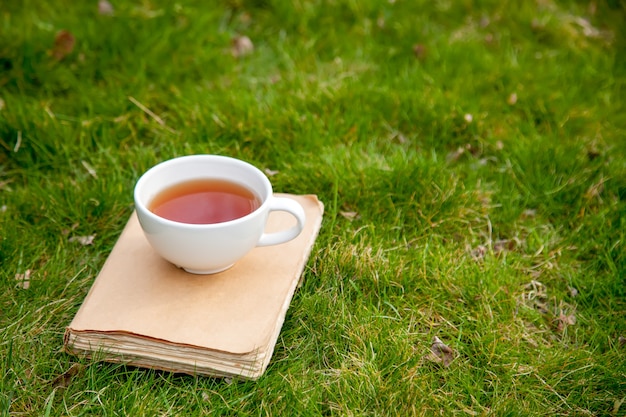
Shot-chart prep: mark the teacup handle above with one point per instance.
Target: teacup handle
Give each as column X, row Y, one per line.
column 292, row 207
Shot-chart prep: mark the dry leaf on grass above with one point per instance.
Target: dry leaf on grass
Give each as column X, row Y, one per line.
column 83, row 240
column 66, row 232
column 65, row 379
column 455, row 155
column 241, row 46
column 479, row 252
column 420, row 51
column 91, row 170
column 105, row 8
column 270, row 172
column 505, row 245
column 63, row 45
column 528, row 214
column 440, row 353
column 512, row 100
column 23, row 280
column 564, row 320
column 350, row 215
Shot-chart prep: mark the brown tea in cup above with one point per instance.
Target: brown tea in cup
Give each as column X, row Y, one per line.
column 204, row 201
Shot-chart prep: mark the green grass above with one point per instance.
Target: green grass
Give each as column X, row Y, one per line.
column 475, row 190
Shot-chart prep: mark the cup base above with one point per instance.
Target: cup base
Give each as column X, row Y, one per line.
column 204, row 271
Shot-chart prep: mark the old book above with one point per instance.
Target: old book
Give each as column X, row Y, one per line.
column 143, row 311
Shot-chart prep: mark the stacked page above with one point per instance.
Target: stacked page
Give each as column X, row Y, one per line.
column 143, row 311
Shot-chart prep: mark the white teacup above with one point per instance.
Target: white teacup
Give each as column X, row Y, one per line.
column 214, row 247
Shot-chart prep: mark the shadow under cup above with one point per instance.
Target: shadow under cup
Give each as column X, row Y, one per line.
column 210, row 248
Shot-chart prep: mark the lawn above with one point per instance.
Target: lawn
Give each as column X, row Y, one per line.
column 471, row 156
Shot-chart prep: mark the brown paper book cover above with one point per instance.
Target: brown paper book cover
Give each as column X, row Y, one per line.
column 143, row 311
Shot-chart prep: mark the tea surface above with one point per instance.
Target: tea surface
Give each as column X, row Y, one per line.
column 204, row 201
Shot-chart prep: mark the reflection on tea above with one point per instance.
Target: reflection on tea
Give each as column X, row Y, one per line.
column 204, row 201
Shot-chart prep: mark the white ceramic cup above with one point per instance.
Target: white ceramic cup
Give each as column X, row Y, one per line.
column 211, row 248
